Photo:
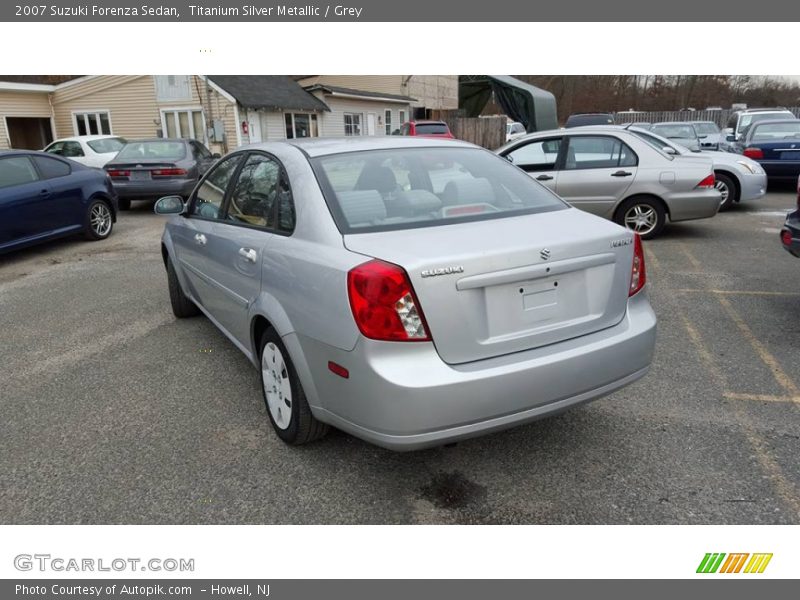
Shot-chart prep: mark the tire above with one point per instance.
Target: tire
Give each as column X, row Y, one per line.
column 649, row 213
column 182, row 307
column 284, row 397
column 124, row 203
column 99, row 220
column 728, row 188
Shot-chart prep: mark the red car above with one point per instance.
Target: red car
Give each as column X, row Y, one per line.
column 427, row 129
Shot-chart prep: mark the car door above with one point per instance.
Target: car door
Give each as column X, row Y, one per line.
column 24, row 200
column 67, row 208
column 597, row 172
column 538, row 158
column 199, row 235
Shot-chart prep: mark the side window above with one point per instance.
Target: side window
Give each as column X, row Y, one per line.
column 209, row 196
column 286, row 214
column 589, row 152
column 256, row 191
column 56, row 148
column 51, row 168
column 540, row 155
column 72, row 150
column 16, row 170
column 199, row 151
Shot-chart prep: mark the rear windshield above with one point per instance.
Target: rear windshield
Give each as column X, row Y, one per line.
column 107, row 145
column 775, row 131
column 431, row 128
column 751, row 118
column 583, row 120
column 706, row 128
column 156, row 149
column 675, row 131
column 383, row 190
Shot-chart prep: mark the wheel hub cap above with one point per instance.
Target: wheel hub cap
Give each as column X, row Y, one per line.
column 277, row 388
column 641, row 218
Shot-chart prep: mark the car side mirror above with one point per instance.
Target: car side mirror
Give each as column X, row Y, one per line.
column 509, row 158
column 670, row 150
column 169, row 205
column 216, row 155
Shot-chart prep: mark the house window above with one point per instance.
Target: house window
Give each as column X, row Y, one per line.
column 301, row 125
column 92, row 123
column 183, row 123
column 388, row 120
column 352, row 124
column 402, row 118
column 173, row 87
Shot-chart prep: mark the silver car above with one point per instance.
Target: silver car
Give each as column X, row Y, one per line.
column 680, row 132
column 409, row 291
column 611, row 172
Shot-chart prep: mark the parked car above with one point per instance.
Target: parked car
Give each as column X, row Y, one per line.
column 709, row 133
column 741, row 120
column 790, row 234
column 411, row 292
column 584, row 119
column 149, row 169
column 613, row 173
column 428, row 129
column 88, row 150
column 738, row 178
column 514, row 130
column 775, row 145
column 43, row 197
column 682, row 133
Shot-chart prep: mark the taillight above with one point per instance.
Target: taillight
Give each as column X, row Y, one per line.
column 786, row 237
column 384, row 304
column 168, row 172
column 708, row 182
column 638, row 272
column 755, row 153
column 118, row 173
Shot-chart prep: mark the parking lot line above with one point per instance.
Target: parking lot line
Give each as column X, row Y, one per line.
column 692, row 259
column 736, row 292
column 762, row 397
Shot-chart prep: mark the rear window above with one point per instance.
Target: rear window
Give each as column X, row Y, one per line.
column 751, row 118
column 675, row 131
column 431, row 128
column 767, row 132
column 583, row 120
column 107, row 145
column 157, row 149
column 383, row 190
column 706, row 128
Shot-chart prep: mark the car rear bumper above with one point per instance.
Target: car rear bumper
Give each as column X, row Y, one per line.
column 144, row 190
column 697, row 204
column 793, row 226
column 404, row 397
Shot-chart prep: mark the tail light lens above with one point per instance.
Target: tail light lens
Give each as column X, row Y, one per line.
column 786, row 237
column 638, row 272
column 168, row 172
column 708, row 182
column 384, row 304
column 754, row 153
column 118, row 173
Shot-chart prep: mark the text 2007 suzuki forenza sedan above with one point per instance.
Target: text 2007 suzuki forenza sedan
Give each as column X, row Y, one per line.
column 411, row 292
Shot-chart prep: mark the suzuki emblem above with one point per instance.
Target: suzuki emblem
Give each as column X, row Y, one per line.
column 545, row 253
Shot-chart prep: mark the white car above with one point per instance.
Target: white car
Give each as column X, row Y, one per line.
column 90, row 150
column 514, row 130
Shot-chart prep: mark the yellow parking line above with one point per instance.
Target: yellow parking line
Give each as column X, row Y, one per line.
column 762, row 397
column 736, row 292
column 695, row 263
column 651, row 259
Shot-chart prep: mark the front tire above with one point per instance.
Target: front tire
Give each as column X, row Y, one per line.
column 182, row 307
column 284, row 397
column 644, row 215
column 727, row 187
column 99, row 220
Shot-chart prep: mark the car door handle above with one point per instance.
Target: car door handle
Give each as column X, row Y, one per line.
column 248, row 254
column 200, row 239
column 622, row 174
column 44, row 193
column 544, row 178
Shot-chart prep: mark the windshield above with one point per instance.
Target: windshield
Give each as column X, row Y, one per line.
column 431, row 128
column 775, row 131
column 706, row 128
column 675, row 131
column 749, row 119
column 107, row 145
column 382, row 190
column 166, row 150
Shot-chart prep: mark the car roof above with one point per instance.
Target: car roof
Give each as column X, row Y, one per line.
column 86, row 138
column 158, row 139
column 758, row 124
column 324, row 146
column 673, row 123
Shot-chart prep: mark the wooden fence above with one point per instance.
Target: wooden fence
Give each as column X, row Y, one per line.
column 489, row 132
column 720, row 117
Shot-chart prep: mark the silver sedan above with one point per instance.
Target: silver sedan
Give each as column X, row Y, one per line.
column 613, row 173
column 409, row 291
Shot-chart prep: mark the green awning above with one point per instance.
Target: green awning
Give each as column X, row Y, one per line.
column 534, row 107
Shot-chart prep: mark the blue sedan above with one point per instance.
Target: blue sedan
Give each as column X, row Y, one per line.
column 776, row 146
column 43, row 197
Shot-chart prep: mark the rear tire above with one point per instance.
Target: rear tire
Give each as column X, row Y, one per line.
column 284, row 397
column 182, row 307
column 124, row 204
column 99, row 220
column 727, row 187
column 644, row 215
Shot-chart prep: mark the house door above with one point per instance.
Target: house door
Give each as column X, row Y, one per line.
column 370, row 123
column 29, row 133
column 254, row 123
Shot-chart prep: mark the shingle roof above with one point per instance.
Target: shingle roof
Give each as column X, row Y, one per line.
column 341, row 90
column 270, row 92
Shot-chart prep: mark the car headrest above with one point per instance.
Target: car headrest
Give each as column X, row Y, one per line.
column 362, row 207
column 468, row 190
column 379, row 178
column 410, row 203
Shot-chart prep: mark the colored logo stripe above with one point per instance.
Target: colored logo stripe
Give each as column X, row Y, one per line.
column 758, row 563
column 710, row 562
column 733, row 564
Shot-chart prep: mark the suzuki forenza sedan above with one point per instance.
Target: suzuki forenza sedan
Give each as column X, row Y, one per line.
column 411, row 292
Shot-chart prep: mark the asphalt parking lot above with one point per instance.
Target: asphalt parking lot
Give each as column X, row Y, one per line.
column 113, row 411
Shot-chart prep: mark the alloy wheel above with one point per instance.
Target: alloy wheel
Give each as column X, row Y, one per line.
column 641, row 218
column 100, row 219
column 277, row 387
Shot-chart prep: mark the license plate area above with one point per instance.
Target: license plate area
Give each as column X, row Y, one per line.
column 140, row 175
